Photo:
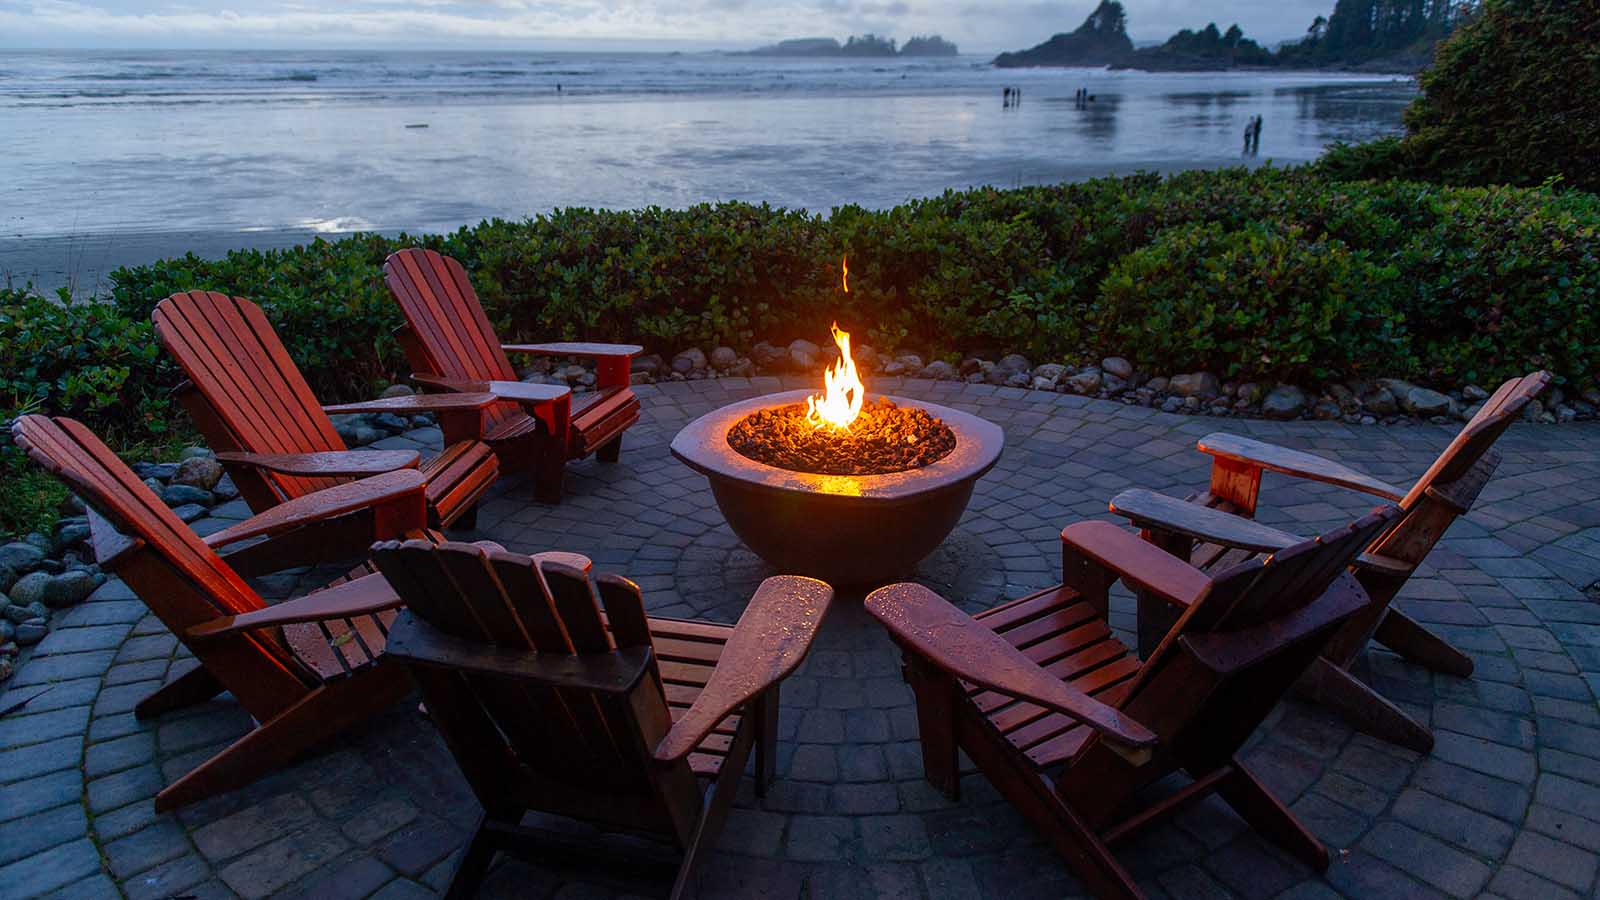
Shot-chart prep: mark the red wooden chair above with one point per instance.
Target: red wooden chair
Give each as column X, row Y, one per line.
column 256, row 410
column 550, row 704
column 1069, row 725
column 1216, row 529
column 305, row 669
column 451, row 347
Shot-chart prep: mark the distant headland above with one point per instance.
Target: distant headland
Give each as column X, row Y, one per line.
column 1402, row 40
column 865, row 45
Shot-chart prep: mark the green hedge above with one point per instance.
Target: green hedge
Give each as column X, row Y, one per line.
column 1272, row 275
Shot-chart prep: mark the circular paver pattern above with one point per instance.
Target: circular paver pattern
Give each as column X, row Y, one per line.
column 1507, row 804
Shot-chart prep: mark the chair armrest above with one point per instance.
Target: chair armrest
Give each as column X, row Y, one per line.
column 1148, row 509
column 358, row 597
column 341, row 499
column 327, row 464
column 513, row 391
column 1297, row 463
column 769, row 641
column 1143, row 566
column 928, row 625
column 1233, row 651
column 418, row 403
column 570, row 348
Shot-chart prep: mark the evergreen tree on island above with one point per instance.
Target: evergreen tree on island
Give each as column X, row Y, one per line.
column 1101, row 40
column 929, row 45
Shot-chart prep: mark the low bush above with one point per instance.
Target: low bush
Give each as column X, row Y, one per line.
column 1271, row 274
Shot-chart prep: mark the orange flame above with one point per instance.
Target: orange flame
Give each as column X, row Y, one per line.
column 843, row 393
column 844, row 263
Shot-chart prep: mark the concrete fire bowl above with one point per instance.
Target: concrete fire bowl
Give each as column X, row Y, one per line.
column 848, row 530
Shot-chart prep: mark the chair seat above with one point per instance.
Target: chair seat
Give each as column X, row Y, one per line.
column 687, row 653
column 457, row 477
column 1066, row 636
column 338, row 648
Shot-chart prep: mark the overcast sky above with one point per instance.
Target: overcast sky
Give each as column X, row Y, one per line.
column 977, row 25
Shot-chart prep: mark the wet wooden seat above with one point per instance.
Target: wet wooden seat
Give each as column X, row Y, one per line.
column 555, row 693
column 1070, row 727
column 1215, row 530
column 256, row 409
column 305, row 669
column 451, row 347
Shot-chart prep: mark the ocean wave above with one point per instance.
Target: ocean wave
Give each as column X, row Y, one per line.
column 293, row 76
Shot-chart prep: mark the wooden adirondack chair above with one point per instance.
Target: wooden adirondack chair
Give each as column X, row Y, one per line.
column 1215, row 528
column 1040, row 685
column 551, row 705
column 451, row 347
column 305, row 669
column 257, row 411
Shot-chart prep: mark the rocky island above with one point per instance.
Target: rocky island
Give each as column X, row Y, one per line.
column 859, row 46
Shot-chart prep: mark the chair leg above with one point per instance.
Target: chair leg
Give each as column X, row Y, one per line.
column 474, row 865
column 1409, row 638
column 713, row 812
column 610, row 451
column 935, row 694
column 1362, row 707
column 319, row 715
column 549, row 471
column 1270, row 818
column 467, row 520
column 194, row 686
column 766, row 711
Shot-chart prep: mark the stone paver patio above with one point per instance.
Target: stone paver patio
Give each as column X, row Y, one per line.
column 1508, row 804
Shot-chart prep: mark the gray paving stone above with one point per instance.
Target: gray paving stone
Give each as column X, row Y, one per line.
column 51, row 869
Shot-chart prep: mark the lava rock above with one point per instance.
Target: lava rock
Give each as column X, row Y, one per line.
column 1085, row 382
column 202, row 472
column 723, row 358
column 182, row 494
column 1195, row 384
column 68, row 588
column 938, row 370
column 32, row 632
column 1117, row 366
column 29, row 589
column 1284, row 402
column 20, row 557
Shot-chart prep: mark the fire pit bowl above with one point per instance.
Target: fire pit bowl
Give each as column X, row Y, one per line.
column 848, row 530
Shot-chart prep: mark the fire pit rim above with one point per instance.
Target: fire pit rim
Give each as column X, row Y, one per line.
column 703, row 446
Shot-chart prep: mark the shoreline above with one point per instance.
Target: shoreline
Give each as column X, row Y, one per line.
column 84, row 262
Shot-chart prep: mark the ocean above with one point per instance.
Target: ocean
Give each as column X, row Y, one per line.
column 223, row 148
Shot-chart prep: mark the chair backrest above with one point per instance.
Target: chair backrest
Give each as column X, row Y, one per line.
column 181, row 579
column 545, row 737
column 1449, row 487
column 1274, row 613
column 255, row 398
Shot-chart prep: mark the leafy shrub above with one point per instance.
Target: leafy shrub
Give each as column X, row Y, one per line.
column 1264, row 300
column 1513, row 97
column 1267, row 274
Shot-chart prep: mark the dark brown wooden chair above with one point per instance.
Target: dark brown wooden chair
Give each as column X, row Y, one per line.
column 550, row 704
column 1068, row 724
column 1215, row 528
column 305, row 669
column 452, row 347
column 257, row 412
